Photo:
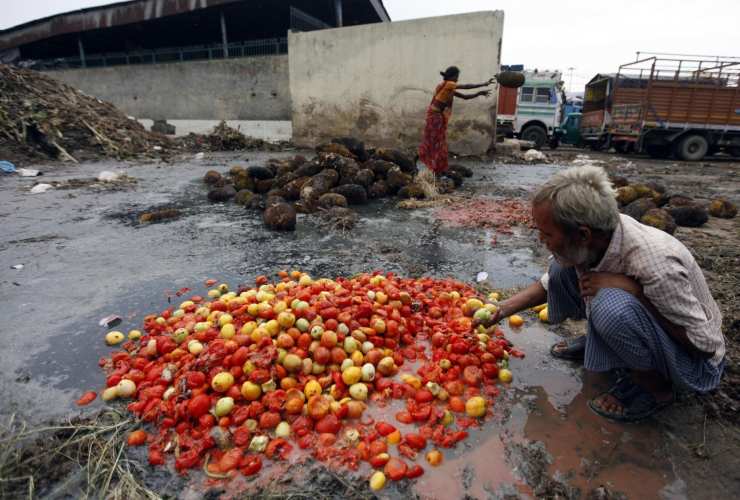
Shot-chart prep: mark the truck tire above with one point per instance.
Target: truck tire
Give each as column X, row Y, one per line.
column 692, row 147
column 734, row 151
column 536, row 134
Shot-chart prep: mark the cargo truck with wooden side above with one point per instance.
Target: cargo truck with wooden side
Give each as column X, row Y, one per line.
column 680, row 106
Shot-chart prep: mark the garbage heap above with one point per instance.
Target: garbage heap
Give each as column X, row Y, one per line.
column 344, row 173
column 42, row 118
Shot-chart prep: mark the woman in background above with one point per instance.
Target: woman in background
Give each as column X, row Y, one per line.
column 433, row 150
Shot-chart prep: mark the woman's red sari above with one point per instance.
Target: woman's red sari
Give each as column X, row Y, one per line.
column 433, row 149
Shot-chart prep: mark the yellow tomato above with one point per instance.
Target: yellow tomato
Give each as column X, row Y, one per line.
column 251, row 391
column 222, row 382
column 475, row 407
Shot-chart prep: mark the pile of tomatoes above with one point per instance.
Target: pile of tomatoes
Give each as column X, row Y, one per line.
column 233, row 379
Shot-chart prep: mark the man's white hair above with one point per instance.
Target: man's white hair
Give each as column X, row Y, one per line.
column 581, row 196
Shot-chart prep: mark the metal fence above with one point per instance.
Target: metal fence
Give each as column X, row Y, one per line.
column 251, row 48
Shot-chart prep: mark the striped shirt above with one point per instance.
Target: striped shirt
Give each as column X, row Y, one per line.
column 671, row 280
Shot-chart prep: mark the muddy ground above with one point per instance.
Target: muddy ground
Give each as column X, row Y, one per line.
column 86, row 256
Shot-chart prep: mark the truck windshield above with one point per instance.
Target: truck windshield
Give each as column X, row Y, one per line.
column 542, row 96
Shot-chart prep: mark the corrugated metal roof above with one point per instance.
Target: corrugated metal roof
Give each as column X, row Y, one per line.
column 104, row 16
column 117, row 14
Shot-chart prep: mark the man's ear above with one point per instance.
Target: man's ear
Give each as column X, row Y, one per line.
column 584, row 234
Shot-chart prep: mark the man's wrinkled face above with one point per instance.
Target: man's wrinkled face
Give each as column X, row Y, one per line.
column 567, row 251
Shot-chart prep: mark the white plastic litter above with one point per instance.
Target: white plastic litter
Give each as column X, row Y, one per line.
column 200, row 156
column 41, row 188
column 106, row 176
column 482, row 276
column 18, row 267
column 28, row 172
column 533, row 155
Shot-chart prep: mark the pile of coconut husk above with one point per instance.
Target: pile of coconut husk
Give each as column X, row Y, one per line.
column 43, row 118
column 653, row 205
column 343, row 174
column 225, row 138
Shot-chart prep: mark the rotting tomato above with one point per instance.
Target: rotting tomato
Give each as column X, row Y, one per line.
column 415, row 471
column 199, row 406
column 87, row 398
column 136, row 438
column 395, row 469
column 250, row 464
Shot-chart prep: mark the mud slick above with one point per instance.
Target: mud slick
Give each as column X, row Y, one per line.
column 342, row 175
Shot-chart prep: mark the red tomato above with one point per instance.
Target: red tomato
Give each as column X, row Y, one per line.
column 415, row 471
column 87, row 398
column 195, row 379
column 378, row 446
column 269, row 420
column 250, row 465
column 328, row 424
column 424, row 396
column 416, row 441
column 137, row 438
column 380, row 460
column 384, row 428
column 199, row 406
column 155, row 456
column 230, row 460
column 396, row 469
column 404, row 417
column 241, row 437
column 278, row 448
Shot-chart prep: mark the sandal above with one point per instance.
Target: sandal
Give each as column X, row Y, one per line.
column 637, row 403
column 573, row 349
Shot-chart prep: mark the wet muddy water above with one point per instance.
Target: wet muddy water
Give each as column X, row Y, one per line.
column 85, row 257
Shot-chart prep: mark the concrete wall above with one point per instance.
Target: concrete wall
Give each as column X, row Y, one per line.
column 255, row 88
column 375, row 81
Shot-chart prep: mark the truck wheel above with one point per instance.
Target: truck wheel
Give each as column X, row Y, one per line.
column 693, row 147
column 554, row 143
column 536, row 134
column 734, row 151
column 658, row 150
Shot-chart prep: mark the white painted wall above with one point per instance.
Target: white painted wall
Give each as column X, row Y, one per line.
column 375, row 82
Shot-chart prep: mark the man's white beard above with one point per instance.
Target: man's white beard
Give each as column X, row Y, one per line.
column 573, row 256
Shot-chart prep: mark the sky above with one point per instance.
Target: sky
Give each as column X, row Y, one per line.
column 590, row 36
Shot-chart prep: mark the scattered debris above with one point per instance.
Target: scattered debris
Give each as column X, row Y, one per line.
column 109, row 321
column 41, row 188
column 6, row 167
column 106, row 176
column 535, row 156
column 17, row 267
column 159, row 215
column 28, row 172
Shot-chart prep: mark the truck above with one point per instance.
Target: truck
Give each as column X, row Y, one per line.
column 534, row 111
column 596, row 111
column 687, row 107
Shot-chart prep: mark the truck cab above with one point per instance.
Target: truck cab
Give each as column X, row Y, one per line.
column 534, row 111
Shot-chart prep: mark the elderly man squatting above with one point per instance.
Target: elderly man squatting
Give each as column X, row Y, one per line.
column 651, row 318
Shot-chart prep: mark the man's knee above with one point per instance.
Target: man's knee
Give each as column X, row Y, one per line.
column 613, row 311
